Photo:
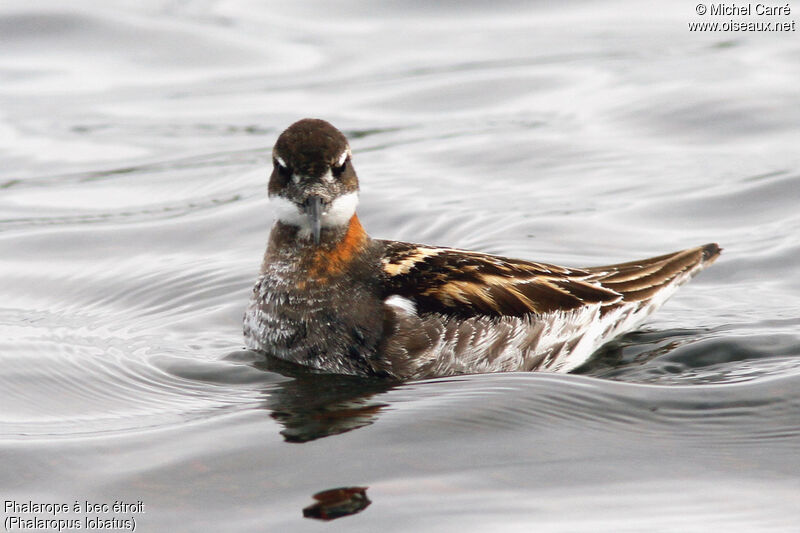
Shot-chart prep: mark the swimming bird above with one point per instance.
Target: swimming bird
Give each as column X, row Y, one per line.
column 332, row 298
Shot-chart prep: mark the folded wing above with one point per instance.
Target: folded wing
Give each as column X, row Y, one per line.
column 463, row 283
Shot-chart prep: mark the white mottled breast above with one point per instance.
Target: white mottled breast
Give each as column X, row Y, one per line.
column 264, row 326
column 313, row 322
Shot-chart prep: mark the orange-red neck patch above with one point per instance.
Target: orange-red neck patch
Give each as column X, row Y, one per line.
column 331, row 261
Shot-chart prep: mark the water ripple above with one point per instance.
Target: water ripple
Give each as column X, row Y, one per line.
column 733, row 414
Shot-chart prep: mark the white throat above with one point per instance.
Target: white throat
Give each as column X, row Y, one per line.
column 337, row 214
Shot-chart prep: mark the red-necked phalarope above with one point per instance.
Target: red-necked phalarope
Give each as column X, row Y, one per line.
column 332, row 298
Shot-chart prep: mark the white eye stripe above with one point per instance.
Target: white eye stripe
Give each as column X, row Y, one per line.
column 343, row 157
column 339, row 162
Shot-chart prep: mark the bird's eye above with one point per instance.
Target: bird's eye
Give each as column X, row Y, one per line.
column 339, row 169
column 281, row 166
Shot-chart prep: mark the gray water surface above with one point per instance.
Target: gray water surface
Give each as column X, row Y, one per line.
column 135, row 143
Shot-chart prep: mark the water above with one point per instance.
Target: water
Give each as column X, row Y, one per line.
column 134, row 146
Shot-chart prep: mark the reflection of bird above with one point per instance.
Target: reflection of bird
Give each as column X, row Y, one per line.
column 332, row 298
column 314, row 405
column 336, row 503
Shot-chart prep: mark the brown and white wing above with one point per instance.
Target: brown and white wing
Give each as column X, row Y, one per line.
column 462, row 283
column 455, row 312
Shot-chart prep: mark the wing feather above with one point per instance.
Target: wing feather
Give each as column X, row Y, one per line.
column 639, row 281
column 458, row 282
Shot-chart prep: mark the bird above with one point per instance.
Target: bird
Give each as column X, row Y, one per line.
column 333, row 299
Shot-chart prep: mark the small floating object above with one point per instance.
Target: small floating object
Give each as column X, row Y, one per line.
column 336, row 503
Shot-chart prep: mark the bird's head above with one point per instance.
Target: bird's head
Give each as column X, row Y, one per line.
column 313, row 183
